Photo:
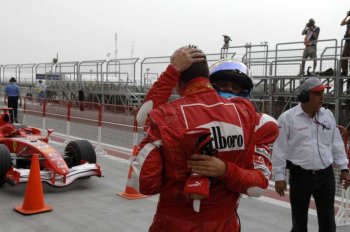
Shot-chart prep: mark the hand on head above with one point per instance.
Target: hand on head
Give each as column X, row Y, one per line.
column 184, row 57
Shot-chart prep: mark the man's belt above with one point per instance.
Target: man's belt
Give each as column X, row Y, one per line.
column 299, row 169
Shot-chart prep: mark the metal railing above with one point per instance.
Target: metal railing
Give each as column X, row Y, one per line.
column 126, row 81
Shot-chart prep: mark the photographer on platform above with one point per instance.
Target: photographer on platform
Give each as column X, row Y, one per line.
column 311, row 32
column 346, row 49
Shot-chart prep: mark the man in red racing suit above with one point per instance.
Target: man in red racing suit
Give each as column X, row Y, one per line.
column 161, row 165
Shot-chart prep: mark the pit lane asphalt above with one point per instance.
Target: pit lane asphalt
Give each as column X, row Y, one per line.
column 91, row 205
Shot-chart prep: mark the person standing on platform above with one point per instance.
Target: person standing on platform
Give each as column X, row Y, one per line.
column 309, row 143
column 346, row 50
column 12, row 97
column 311, row 32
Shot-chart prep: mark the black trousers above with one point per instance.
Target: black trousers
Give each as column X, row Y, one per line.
column 320, row 185
column 12, row 102
column 346, row 53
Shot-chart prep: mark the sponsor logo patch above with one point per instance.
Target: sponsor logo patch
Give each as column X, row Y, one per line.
column 195, row 184
column 227, row 134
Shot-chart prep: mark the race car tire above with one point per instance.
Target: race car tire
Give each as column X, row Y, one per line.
column 78, row 151
column 5, row 163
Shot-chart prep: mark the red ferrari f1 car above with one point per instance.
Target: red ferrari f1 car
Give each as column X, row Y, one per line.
column 18, row 143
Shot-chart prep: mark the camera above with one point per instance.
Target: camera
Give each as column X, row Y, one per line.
column 310, row 24
column 349, row 13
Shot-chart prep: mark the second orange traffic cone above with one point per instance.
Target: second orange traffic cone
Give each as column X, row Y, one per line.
column 130, row 192
column 33, row 198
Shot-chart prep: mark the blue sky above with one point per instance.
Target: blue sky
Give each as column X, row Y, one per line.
column 34, row 31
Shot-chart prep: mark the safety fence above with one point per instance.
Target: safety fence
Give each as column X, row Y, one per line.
column 143, row 72
column 343, row 208
column 102, row 123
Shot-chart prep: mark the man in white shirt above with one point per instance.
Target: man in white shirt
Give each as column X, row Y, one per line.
column 309, row 143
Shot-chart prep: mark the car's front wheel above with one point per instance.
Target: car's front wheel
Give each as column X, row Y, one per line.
column 5, row 163
column 79, row 151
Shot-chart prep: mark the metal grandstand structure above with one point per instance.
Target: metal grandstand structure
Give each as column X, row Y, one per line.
column 126, row 81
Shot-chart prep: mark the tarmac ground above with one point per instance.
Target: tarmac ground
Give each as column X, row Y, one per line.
column 92, row 205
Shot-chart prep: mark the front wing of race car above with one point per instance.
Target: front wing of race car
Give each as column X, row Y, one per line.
column 17, row 176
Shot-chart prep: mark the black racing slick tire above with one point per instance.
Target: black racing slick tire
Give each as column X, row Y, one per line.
column 5, row 163
column 79, row 151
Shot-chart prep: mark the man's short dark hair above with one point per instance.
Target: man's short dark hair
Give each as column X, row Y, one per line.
column 198, row 69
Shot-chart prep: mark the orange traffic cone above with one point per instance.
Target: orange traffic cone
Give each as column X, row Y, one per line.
column 130, row 192
column 33, row 198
